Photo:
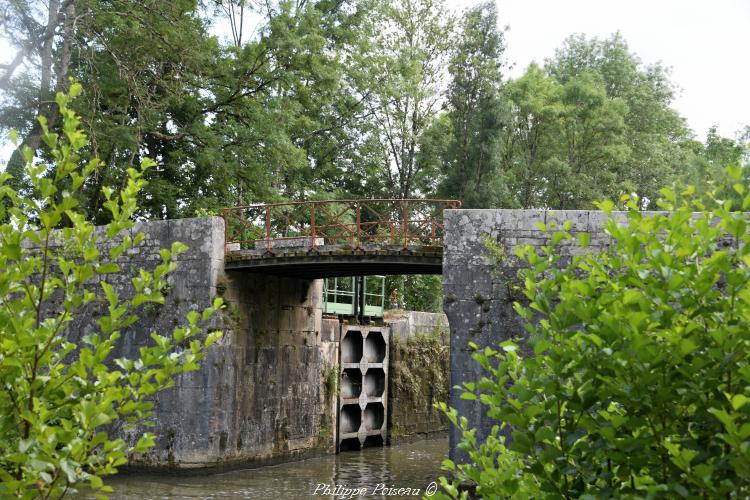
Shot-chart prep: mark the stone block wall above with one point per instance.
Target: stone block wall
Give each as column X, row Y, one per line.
column 479, row 292
column 185, row 415
column 407, row 324
column 419, row 375
column 274, row 372
column 260, row 395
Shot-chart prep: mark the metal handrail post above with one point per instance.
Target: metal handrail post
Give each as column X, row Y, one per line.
column 405, row 223
column 313, row 230
column 226, row 229
column 359, row 227
column 268, row 229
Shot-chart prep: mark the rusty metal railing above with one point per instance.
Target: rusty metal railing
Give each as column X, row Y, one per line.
column 404, row 222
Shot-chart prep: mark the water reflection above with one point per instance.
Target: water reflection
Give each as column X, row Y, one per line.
column 413, row 465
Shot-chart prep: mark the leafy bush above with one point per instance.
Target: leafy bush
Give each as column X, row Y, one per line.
column 415, row 292
column 634, row 380
column 58, row 393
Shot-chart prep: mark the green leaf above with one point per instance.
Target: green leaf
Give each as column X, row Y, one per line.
column 12, row 251
column 178, row 248
column 734, row 172
column 687, row 346
column 605, row 206
column 631, row 296
column 739, row 400
column 212, row 338
column 108, row 268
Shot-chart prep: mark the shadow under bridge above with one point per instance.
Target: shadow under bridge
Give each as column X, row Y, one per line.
column 320, row 239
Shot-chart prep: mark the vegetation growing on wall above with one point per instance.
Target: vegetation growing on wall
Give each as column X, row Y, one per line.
column 331, row 378
column 637, row 383
column 330, row 375
column 419, row 378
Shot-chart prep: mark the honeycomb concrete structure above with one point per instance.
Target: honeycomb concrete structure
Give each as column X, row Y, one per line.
column 363, row 397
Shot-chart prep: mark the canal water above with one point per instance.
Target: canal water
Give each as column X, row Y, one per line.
column 372, row 472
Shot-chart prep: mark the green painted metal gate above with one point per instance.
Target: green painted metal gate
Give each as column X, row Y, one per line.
column 339, row 296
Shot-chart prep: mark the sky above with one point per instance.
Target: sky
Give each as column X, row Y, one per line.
column 703, row 42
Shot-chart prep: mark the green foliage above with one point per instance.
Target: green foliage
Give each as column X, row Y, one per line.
column 416, row 292
column 330, row 378
column 476, row 113
column 651, row 130
column 594, row 123
column 404, row 83
column 419, row 377
column 634, row 380
column 564, row 141
column 707, row 164
column 260, row 119
column 328, row 99
column 61, row 387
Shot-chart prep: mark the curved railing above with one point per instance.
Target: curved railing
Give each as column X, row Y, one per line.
column 310, row 224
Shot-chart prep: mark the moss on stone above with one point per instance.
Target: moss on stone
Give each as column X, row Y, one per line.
column 419, row 378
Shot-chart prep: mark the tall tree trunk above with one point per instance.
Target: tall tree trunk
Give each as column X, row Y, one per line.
column 45, row 104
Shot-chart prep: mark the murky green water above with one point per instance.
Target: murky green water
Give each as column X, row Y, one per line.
column 413, row 465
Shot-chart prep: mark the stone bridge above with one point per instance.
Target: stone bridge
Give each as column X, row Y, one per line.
column 262, row 394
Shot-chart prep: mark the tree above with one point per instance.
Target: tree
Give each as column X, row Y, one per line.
column 416, row 292
column 530, row 137
column 652, row 129
column 706, row 164
column 595, row 122
column 405, row 82
column 60, row 388
column 592, row 141
column 633, row 379
column 38, row 41
column 142, row 64
column 255, row 120
column 475, row 110
column 565, row 141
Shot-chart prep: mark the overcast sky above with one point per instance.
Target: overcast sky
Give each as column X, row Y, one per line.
column 704, row 42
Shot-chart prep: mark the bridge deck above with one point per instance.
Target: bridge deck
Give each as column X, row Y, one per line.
column 338, row 260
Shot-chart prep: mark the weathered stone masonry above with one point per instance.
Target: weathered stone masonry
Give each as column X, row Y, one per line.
column 260, row 395
column 263, row 394
column 419, row 376
column 479, row 293
column 267, row 391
